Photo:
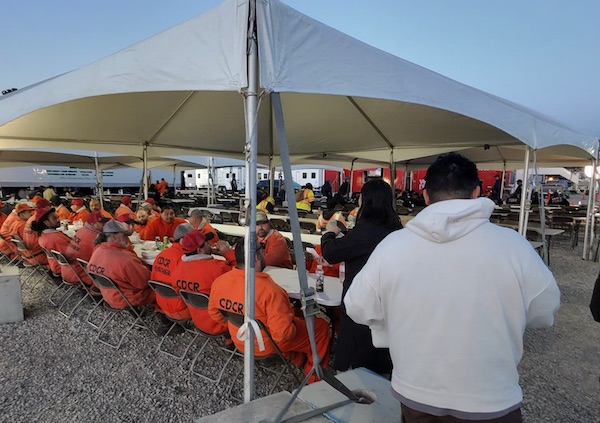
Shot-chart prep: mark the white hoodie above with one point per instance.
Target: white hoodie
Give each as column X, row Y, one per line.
column 452, row 294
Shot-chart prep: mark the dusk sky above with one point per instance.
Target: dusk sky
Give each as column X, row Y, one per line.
column 542, row 54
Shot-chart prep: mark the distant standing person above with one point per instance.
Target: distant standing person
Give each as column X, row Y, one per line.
column 49, row 192
column 305, row 198
column 451, row 295
column 326, row 189
column 344, row 188
column 376, row 219
column 234, row 187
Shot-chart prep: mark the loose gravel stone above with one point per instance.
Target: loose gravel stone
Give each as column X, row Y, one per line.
column 52, row 370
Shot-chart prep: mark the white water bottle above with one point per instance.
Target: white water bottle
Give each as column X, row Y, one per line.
column 342, row 272
column 320, row 284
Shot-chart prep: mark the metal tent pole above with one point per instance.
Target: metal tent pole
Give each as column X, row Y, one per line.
column 99, row 188
column 524, row 196
column 145, row 170
column 251, row 103
column 588, row 239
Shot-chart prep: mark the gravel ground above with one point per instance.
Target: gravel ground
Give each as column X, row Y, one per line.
column 51, row 370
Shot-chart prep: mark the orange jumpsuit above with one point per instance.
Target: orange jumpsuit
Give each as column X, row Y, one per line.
column 123, row 209
column 51, row 239
column 80, row 246
column 105, row 214
column 81, row 214
column 142, row 231
column 63, row 213
column 275, row 250
column 197, row 273
column 163, row 270
column 127, row 271
column 274, row 309
column 159, row 228
column 18, row 228
column 31, row 240
column 333, row 270
column 205, row 227
column 5, row 245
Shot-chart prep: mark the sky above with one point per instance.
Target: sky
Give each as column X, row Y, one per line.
column 542, row 54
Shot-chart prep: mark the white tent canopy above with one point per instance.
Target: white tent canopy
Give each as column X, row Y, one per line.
column 12, row 158
column 179, row 91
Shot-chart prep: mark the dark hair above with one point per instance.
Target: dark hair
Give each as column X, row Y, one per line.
column 100, row 238
column 38, row 226
column 451, row 176
column 239, row 251
column 309, row 186
column 55, row 200
column 377, row 205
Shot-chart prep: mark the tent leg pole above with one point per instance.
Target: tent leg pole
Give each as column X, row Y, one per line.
column 524, row 195
column 251, row 99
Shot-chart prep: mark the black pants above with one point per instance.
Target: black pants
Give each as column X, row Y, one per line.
column 413, row 416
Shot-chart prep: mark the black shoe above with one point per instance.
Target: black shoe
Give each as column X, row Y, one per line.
column 164, row 328
column 177, row 330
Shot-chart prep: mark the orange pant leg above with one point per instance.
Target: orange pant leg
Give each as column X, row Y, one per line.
column 301, row 343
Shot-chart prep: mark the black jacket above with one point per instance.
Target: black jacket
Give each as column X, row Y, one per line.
column 355, row 348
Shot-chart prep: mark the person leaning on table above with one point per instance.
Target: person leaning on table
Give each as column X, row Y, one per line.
column 163, row 226
column 451, row 295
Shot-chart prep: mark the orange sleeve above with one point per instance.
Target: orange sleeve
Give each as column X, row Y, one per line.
column 278, row 309
column 106, row 214
column 150, row 233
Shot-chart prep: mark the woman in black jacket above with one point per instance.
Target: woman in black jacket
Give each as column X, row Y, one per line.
column 376, row 219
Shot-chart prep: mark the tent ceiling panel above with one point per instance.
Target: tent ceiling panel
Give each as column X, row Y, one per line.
column 179, row 92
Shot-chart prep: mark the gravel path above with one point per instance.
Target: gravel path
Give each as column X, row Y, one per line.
column 51, row 370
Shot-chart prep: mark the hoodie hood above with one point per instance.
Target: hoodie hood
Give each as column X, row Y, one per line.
column 451, row 219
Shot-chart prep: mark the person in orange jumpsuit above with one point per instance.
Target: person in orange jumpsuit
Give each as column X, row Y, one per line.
column 45, row 224
column 197, row 271
column 142, row 218
column 80, row 212
column 163, row 270
column 124, row 207
column 4, row 246
column 165, row 226
column 274, row 245
column 62, row 212
column 3, row 216
column 162, row 187
column 7, row 246
column 273, row 308
column 81, row 246
column 31, row 236
column 96, row 206
column 114, row 259
column 24, row 212
column 154, row 210
column 201, row 224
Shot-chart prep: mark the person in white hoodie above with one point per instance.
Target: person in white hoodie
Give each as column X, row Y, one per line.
column 451, row 296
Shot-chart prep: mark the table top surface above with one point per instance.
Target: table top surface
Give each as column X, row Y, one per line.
column 289, row 280
column 235, row 230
